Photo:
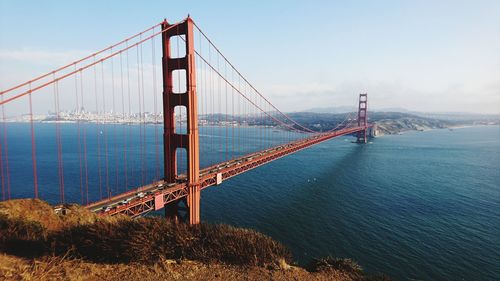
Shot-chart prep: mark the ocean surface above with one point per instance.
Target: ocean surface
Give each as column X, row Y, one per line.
column 422, row 205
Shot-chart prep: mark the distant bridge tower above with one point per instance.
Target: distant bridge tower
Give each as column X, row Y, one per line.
column 362, row 117
column 172, row 140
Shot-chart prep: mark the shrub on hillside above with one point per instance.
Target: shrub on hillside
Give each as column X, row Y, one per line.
column 15, row 228
column 23, row 237
column 149, row 239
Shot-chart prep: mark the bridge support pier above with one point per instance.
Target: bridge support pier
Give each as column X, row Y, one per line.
column 185, row 210
column 172, row 211
column 172, row 140
column 193, row 204
column 362, row 118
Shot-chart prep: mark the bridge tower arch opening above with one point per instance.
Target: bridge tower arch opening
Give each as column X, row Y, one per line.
column 362, row 117
column 173, row 140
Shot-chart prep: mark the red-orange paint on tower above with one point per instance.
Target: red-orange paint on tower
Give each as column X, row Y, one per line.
column 190, row 140
column 362, row 117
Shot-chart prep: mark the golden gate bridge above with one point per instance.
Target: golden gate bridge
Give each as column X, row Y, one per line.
column 192, row 91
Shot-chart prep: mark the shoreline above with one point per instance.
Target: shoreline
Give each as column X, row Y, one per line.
column 451, row 128
column 125, row 123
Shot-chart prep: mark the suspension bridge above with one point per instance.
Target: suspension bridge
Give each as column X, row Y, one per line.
column 146, row 124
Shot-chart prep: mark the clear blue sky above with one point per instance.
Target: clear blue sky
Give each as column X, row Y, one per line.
column 419, row 55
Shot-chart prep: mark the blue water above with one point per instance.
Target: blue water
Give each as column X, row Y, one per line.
column 422, row 205
column 119, row 157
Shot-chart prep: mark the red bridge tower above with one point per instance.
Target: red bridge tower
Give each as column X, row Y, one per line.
column 172, row 140
column 362, row 117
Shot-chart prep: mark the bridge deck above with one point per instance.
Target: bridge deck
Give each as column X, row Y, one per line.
column 142, row 200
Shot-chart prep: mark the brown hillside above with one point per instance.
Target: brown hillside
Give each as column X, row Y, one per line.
column 39, row 243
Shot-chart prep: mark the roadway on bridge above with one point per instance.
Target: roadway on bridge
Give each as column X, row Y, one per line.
column 142, row 200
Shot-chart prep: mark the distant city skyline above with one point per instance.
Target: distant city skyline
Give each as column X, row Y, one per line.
column 427, row 56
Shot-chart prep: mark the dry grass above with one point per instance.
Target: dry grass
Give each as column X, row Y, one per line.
column 57, row 268
column 26, row 225
column 31, row 228
column 31, row 210
column 83, row 246
column 146, row 240
column 36, row 210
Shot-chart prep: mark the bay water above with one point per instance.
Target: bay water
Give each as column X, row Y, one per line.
column 421, row 205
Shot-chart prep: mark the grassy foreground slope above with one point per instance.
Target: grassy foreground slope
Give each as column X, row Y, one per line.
column 38, row 244
column 57, row 268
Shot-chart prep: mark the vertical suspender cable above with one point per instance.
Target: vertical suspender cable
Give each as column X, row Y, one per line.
column 105, row 131
column 58, row 141
column 143, row 116
column 245, row 139
column 226, row 112
column 98, row 133
column 212, row 101
column 114, row 120
column 129, row 137
column 33, row 147
column 6, row 148
column 123, row 124
column 220, row 109
column 239, row 117
column 78, row 135
column 155, row 100
column 141, row 144
column 85, row 145
column 232, row 115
